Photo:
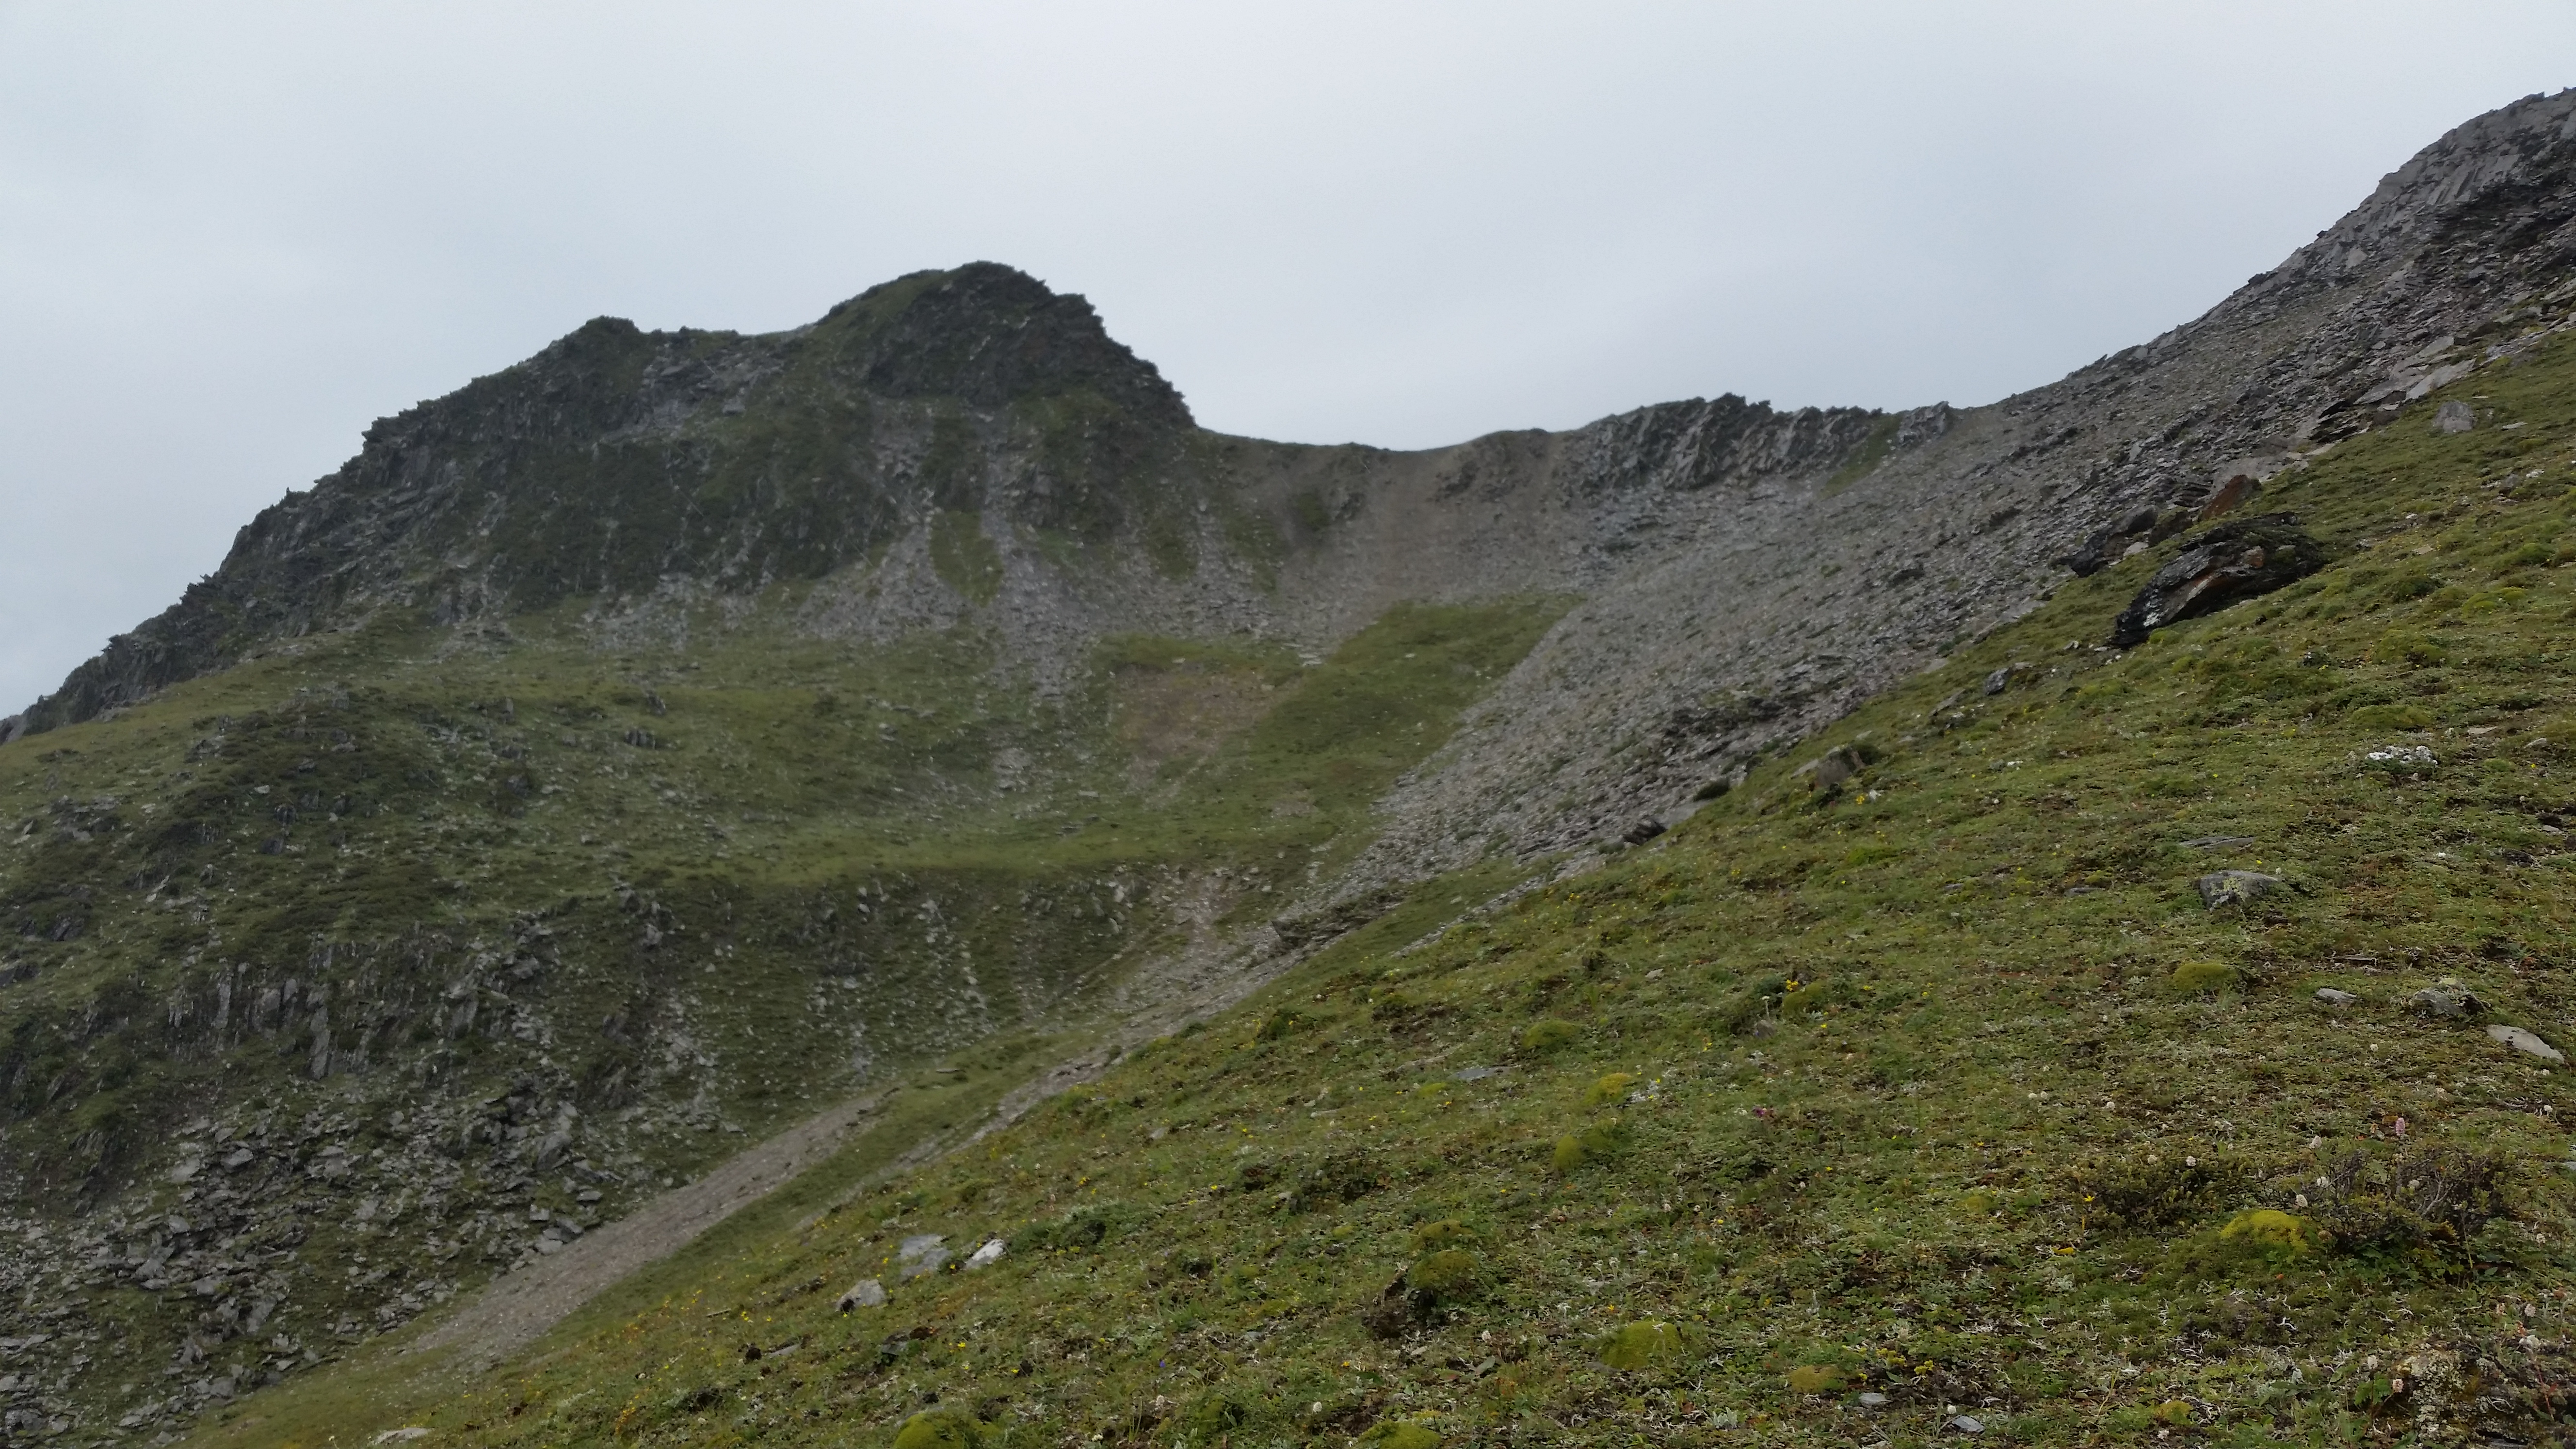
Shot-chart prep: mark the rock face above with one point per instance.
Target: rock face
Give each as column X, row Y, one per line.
column 2233, row 561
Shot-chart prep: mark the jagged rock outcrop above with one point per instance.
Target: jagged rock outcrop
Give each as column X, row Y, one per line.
column 2236, row 560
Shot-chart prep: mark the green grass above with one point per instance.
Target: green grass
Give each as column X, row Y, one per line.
column 811, row 863
column 1917, row 1106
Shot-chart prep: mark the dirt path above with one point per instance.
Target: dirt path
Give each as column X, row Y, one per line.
column 516, row 1309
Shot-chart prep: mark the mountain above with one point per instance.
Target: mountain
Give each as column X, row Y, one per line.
column 1628, row 830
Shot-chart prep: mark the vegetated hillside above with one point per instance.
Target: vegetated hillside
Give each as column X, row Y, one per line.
column 341, row 982
column 634, row 751
column 1961, row 1095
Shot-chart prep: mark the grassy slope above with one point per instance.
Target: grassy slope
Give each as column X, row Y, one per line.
column 389, row 812
column 1927, row 1090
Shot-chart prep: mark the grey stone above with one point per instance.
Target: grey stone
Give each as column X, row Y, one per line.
column 2001, row 679
column 2446, row 1000
column 866, row 1293
column 2217, row 842
column 1968, row 1424
column 1475, row 1074
column 2524, row 1042
column 2332, row 997
column 2233, row 887
column 922, row 1253
column 1832, row 767
column 1872, row 1401
column 2454, row 417
column 2235, row 560
column 987, row 1255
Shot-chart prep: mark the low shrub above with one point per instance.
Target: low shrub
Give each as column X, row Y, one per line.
column 2160, row 1190
column 939, row 1429
column 1550, row 1035
column 2421, row 1200
column 1638, row 1346
column 2200, row 978
column 1610, row 1089
column 1595, row 1143
column 1445, row 1276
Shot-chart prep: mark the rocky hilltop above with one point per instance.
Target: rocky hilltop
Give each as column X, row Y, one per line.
column 645, row 746
column 1724, row 552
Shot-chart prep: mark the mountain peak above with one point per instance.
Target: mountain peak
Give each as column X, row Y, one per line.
column 990, row 335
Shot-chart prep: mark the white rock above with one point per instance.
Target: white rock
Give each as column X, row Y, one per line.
column 866, row 1293
column 2332, row 997
column 987, row 1255
column 2523, row 1041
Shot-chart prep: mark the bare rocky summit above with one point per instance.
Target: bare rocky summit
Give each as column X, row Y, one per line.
column 1723, row 551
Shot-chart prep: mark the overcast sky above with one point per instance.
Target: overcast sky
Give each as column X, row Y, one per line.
column 231, row 235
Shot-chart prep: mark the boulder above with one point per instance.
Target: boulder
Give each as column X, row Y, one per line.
column 2235, row 560
column 2526, row 1043
column 2097, row 552
column 2454, row 417
column 2234, row 491
column 866, row 1293
column 2334, row 997
column 2107, row 546
column 1830, row 769
column 922, row 1253
column 987, row 1255
column 2233, row 887
column 2446, row 1000
column 11, row 727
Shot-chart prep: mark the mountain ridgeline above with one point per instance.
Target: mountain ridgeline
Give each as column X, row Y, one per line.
column 689, row 764
column 975, row 409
